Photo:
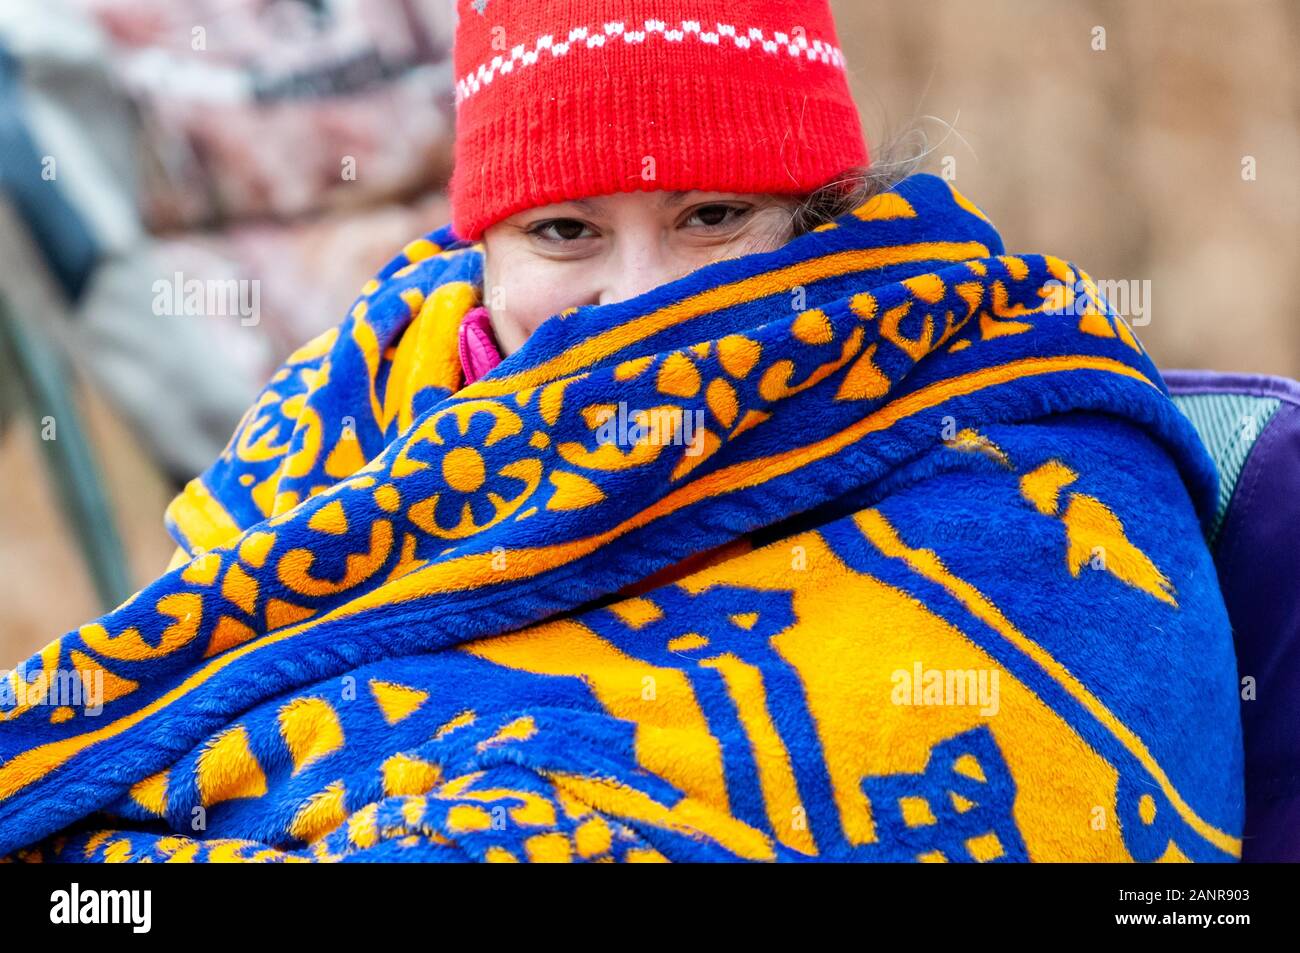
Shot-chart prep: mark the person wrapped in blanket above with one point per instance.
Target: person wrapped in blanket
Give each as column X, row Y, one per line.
column 704, row 496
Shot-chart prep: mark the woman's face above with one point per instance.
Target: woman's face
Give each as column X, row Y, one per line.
column 608, row 248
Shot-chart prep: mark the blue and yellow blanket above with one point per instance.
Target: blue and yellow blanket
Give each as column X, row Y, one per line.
column 884, row 545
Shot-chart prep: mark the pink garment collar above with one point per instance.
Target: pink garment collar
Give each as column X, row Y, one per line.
column 478, row 347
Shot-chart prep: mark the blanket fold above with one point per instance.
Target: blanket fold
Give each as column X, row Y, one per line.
column 884, row 545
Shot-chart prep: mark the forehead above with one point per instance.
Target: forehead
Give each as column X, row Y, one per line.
column 647, row 199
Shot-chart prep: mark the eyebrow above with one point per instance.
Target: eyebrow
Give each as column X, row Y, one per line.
column 665, row 198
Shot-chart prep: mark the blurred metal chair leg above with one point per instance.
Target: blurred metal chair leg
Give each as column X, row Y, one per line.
column 38, row 381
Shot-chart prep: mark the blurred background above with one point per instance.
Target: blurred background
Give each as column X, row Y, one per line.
column 293, row 146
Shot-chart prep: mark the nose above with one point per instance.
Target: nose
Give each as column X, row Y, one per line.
column 640, row 265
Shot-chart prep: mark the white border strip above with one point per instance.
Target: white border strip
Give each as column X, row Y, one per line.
column 750, row 39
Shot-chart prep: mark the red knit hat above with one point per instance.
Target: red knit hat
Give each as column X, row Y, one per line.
column 564, row 99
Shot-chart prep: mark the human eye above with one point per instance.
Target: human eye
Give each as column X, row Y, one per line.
column 717, row 216
column 559, row 230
